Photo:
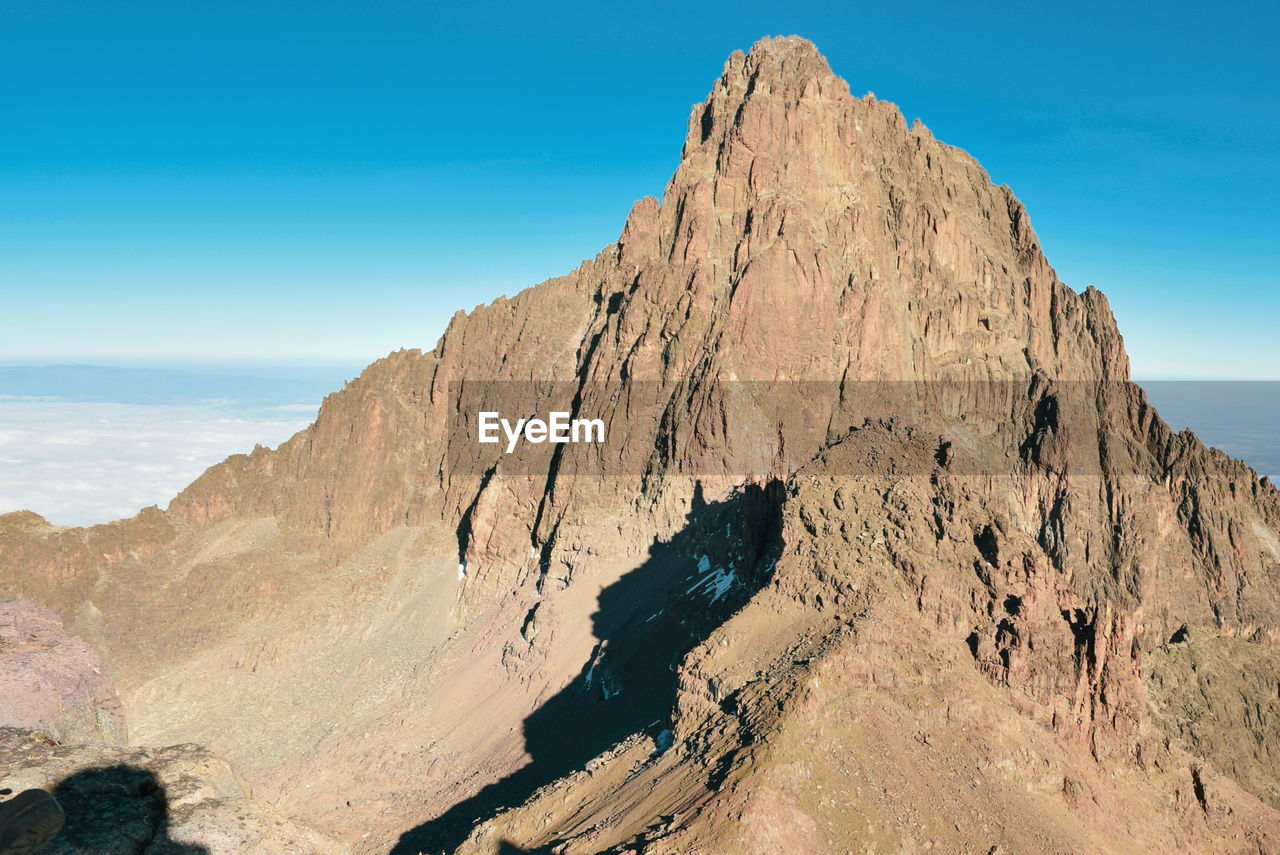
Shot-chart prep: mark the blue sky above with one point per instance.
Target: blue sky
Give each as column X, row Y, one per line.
column 329, row 181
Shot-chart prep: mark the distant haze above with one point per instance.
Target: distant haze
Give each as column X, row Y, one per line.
column 133, row 385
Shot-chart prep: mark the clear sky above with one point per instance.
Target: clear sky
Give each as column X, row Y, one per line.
column 330, row 181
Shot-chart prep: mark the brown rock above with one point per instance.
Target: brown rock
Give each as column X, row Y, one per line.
column 53, row 682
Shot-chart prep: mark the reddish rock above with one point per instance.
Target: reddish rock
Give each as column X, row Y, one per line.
column 53, row 682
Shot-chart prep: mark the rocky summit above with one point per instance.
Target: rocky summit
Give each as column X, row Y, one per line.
column 882, row 550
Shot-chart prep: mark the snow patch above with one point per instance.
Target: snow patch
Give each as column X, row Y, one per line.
column 715, row 582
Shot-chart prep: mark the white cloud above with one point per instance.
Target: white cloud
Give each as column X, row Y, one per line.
column 85, row 463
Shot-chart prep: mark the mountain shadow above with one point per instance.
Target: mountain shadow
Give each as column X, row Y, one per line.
column 116, row 809
column 644, row 625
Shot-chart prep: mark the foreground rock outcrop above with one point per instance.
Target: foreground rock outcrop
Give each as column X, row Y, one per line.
column 885, row 551
column 53, row 682
column 59, row 716
column 134, row 801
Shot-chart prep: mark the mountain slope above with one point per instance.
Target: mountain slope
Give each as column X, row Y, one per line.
column 873, row 472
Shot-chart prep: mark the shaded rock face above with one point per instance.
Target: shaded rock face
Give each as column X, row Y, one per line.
column 53, row 682
column 953, row 649
column 131, row 801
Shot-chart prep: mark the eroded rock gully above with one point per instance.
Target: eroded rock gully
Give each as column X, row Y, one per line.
column 834, row 327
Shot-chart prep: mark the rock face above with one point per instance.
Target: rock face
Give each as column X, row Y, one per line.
column 906, row 683
column 53, row 682
column 132, row 801
column 884, row 553
column 1216, row 695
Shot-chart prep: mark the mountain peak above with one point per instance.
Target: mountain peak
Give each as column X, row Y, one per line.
column 777, row 72
column 784, row 54
column 849, row 488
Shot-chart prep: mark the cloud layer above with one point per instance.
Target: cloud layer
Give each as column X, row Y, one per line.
column 86, row 463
